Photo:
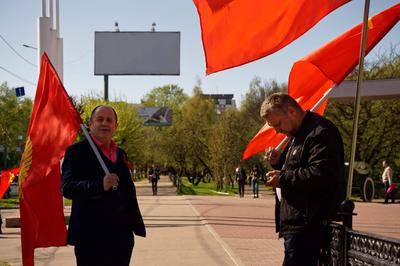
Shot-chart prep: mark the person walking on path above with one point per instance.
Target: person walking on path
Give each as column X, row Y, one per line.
column 255, row 175
column 387, row 178
column 310, row 174
column 241, row 179
column 154, row 176
column 105, row 212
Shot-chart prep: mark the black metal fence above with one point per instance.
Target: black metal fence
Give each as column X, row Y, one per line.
column 349, row 247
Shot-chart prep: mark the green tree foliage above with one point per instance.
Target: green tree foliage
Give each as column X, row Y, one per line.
column 386, row 65
column 226, row 145
column 255, row 96
column 171, row 96
column 198, row 116
column 158, row 139
column 379, row 127
column 14, row 121
column 250, row 110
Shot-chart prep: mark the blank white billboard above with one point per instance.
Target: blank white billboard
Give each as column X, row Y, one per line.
column 137, row 53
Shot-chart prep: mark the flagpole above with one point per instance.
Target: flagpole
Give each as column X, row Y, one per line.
column 96, row 152
column 358, row 99
column 323, row 98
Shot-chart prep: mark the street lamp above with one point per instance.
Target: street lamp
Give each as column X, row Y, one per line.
column 28, row 46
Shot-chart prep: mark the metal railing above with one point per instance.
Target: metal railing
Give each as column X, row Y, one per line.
column 349, row 247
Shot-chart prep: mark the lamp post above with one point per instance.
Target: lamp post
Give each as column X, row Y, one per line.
column 28, row 46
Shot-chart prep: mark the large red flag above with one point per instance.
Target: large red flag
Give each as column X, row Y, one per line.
column 236, row 32
column 53, row 127
column 312, row 76
column 6, row 178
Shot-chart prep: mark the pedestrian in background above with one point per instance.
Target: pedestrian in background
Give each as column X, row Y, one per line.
column 255, row 177
column 387, row 179
column 241, row 179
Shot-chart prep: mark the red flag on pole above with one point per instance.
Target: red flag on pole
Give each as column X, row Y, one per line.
column 236, row 32
column 6, row 178
column 53, row 127
column 312, row 76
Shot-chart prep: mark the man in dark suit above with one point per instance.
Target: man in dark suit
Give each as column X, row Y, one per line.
column 105, row 211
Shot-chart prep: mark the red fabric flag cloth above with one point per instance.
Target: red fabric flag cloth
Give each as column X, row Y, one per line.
column 266, row 135
column 235, row 32
column 312, row 76
column 6, row 178
column 53, row 126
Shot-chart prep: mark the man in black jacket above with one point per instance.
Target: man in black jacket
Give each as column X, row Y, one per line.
column 105, row 211
column 310, row 174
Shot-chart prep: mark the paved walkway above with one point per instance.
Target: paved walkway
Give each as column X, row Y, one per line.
column 203, row 230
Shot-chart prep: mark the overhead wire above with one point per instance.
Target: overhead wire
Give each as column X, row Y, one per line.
column 15, row 75
column 16, row 52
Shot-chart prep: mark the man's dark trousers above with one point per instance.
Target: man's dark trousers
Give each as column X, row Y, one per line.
column 303, row 249
column 115, row 249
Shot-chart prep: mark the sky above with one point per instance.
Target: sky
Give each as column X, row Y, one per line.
column 80, row 19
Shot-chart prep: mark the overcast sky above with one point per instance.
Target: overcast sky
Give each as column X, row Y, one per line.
column 80, row 19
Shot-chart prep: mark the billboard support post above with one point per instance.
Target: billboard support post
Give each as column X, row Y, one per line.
column 106, row 88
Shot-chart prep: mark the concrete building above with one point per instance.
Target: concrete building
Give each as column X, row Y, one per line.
column 222, row 101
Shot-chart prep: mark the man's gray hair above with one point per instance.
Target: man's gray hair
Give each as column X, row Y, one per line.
column 278, row 103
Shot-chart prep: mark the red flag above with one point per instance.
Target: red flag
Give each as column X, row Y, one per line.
column 53, row 127
column 236, row 32
column 312, row 76
column 6, row 178
column 266, row 135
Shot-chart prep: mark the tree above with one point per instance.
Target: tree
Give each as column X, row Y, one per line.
column 171, row 96
column 378, row 126
column 14, row 122
column 250, row 110
column 226, row 145
column 198, row 115
column 157, row 138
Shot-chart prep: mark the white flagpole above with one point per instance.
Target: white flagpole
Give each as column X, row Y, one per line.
column 98, row 156
column 358, row 99
column 96, row 152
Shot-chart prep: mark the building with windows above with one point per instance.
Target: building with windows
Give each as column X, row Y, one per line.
column 222, row 101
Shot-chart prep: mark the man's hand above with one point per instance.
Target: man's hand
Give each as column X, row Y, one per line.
column 272, row 156
column 273, row 178
column 110, row 181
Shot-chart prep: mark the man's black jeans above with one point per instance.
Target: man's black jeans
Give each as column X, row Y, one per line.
column 303, row 249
